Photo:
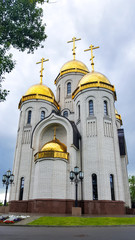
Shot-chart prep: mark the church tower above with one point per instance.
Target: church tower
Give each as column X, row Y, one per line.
column 37, row 103
column 80, row 128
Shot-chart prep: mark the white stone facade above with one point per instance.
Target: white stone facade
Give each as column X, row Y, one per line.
column 98, row 151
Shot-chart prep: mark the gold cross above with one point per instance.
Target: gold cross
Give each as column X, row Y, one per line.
column 74, row 47
column 91, row 47
column 41, row 71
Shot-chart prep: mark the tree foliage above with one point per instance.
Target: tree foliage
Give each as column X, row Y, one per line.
column 21, row 27
column 132, row 188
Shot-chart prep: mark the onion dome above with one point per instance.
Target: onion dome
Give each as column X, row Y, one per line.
column 94, row 80
column 54, row 145
column 53, row 149
column 73, row 66
column 39, row 91
column 118, row 116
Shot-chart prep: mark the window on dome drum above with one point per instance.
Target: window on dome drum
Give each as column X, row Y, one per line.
column 68, row 88
column 78, row 111
column 21, row 189
column 58, row 94
column 105, row 108
column 112, row 187
column 65, row 114
column 29, row 117
column 42, row 115
column 94, row 186
column 91, row 109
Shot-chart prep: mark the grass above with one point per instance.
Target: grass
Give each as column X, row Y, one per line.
column 82, row 221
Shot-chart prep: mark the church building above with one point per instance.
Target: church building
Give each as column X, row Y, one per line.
column 79, row 127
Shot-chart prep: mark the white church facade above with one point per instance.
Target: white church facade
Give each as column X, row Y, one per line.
column 81, row 127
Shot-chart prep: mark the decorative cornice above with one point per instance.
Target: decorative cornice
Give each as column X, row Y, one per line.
column 94, row 85
column 69, row 71
column 51, row 154
column 38, row 96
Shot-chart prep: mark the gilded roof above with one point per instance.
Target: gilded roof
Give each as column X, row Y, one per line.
column 118, row 116
column 53, row 149
column 39, row 91
column 92, row 80
column 94, row 77
column 73, row 66
column 54, row 145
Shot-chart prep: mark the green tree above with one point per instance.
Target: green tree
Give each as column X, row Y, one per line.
column 132, row 188
column 21, row 27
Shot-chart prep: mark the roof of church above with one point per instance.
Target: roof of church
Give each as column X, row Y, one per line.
column 118, row 116
column 54, row 145
column 94, row 77
column 53, row 149
column 92, row 80
column 73, row 66
column 39, row 91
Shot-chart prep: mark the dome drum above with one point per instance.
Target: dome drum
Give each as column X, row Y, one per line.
column 37, row 96
column 51, row 154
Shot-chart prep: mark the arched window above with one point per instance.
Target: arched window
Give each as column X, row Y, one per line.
column 21, row 189
column 91, row 110
column 105, row 108
column 58, row 94
column 65, row 114
column 42, row 115
column 112, row 187
column 29, row 117
column 94, row 186
column 68, row 88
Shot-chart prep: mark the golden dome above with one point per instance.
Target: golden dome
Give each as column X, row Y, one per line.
column 118, row 116
column 53, row 149
column 93, row 77
column 39, row 91
column 73, row 66
column 92, row 80
column 54, row 145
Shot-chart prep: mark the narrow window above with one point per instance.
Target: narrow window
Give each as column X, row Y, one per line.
column 21, row 188
column 58, row 94
column 112, row 187
column 78, row 111
column 42, row 115
column 29, row 117
column 105, row 108
column 65, row 114
column 94, row 186
column 91, row 111
column 68, row 88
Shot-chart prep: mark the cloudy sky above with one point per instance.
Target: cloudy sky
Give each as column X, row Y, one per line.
column 105, row 23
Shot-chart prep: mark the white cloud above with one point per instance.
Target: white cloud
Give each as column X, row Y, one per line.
column 2, row 197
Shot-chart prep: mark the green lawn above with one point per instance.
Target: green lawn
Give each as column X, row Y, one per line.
column 82, row 221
